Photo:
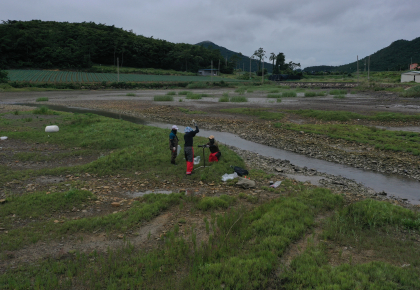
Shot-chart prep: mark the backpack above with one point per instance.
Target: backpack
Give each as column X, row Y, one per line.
column 240, row 171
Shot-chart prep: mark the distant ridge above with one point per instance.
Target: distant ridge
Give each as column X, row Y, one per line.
column 243, row 60
column 397, row 56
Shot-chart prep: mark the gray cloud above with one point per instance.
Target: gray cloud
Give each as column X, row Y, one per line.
column 319, row 32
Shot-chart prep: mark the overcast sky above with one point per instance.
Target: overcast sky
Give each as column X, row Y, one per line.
column 321, row 32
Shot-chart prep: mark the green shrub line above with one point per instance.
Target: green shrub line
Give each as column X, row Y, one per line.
column 276, row 96
column 398, row 141
column 238, row 99
column 347, row 116
column 338, row 92
column 411, row 92
column 289, row 94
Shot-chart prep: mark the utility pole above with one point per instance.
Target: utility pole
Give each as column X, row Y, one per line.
column 211, row 70
column 118, row 71
column 262, row 72
column 250, row 68
column 218, row 70
column 368, row 67
column 357, row 69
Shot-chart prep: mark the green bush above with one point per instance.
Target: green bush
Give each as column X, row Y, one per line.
column 338, row 92
column 411, row 92
column 289, row 95
column 238, row 99
column 224, row 201
column 310, row 94
column 43, row 99
column 172, row 93
column 240, row 91
column 43, row 111
column 163, row 98
column 276, row 96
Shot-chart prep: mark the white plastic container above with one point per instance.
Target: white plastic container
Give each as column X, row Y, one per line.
column 51, row 129
column 197, row 160
column 3, row 138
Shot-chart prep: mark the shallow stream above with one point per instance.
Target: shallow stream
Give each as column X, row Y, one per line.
column 394, row 185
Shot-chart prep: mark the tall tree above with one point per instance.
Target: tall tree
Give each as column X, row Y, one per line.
column 280, row 62
column 3, row 76
column 272, row 58
column 259, row 53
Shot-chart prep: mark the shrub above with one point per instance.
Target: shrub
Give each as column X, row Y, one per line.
column 42, row 99
column 289, row 95
column 224, row 99
column 43, row 111
column 411, row 92
column 240, row 91
column 194, row 96
column 310, row 94
column 163, row 98
column 274, row 96
column 239, row 99
column 338, row 92
column 172, row 93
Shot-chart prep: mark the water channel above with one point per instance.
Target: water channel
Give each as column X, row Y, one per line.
column 396, row 185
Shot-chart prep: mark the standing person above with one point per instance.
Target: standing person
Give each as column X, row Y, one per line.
column 214, row 149
column 188, row 147
column 173, row 143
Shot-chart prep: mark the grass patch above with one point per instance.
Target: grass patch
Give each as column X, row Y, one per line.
column 275, row 91
column 347, row 116
column 412, row 92
column 242, row 251
column 261, row 113
column 197, row 85
column 194, row 96
column 224, row 99
column 238, row 99
column 276, row 96
column 223, row 201
column 398, row 141
column 338, row 92
column 130, row 95
column 171, row 93
column 184, row 93
column 43, row 99
column 289, row 94
column 43, row 111
column 339, row 97
column 163, row 98
column 188, row 111
column 240, row 91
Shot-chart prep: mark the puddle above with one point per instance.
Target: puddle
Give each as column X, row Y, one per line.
column 304, row 178
column 393, row 185
column 406, row 129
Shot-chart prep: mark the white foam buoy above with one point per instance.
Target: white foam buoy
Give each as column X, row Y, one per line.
column 3, row 138
column 51, row 129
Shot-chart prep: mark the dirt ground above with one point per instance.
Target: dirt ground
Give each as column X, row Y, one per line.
column 116, row 193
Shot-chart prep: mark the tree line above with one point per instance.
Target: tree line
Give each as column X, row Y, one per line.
column 64, row 45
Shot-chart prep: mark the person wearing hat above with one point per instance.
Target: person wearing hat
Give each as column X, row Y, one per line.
column 188, row 147
column 214, row 150
column 173, row 143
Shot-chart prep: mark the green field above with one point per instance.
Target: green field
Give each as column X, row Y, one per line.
column 68, row 76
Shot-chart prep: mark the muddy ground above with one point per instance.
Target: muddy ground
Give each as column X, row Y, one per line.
column 116, row 193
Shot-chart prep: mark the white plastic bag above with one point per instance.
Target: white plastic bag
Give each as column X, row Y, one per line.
column 197, row 160
column 226, row 176
column 3, row 138
column 51, row 129
column 178, row 150
column 276, row 184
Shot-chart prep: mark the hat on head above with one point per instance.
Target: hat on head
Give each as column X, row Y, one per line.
column 211, row 137
column 174, row 127
column 188, row 129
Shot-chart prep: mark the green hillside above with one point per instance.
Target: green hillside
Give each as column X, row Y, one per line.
column 76, row 46
column 243, row 61
column 395, row 57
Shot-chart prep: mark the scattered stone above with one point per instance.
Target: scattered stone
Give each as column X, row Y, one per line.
column 120, row 236
column 2, row 200
column 115, row 204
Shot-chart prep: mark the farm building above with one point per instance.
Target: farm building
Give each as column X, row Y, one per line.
column 412, row 76
column 207, row 72
column 414, row 66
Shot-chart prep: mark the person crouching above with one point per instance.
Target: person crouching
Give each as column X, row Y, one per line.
column 188, row 147
column 214, row 150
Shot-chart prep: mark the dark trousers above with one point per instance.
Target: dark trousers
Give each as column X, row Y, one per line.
column 173, row 156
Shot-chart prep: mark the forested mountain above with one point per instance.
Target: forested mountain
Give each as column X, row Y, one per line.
column 49, row 44
column 395, row 57
column 240, row 60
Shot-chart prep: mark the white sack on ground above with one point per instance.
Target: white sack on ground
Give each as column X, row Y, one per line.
column 51, row 129
column 3, row 138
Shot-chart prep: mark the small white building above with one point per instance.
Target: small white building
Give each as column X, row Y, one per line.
column 412, row 76
column 207, row 72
